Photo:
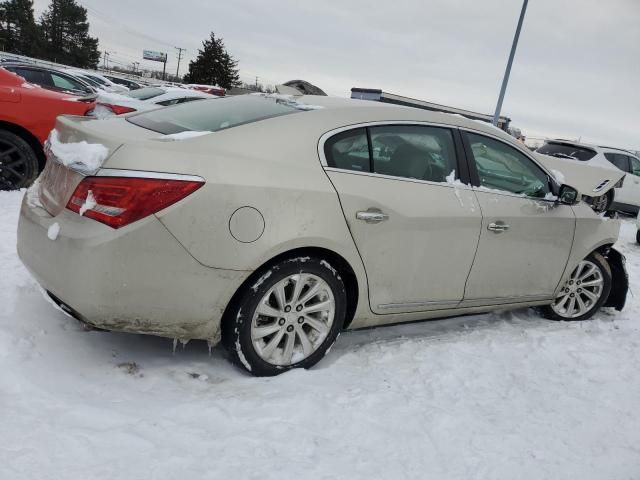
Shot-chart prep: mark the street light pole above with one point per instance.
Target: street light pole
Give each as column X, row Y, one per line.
column 505, row 80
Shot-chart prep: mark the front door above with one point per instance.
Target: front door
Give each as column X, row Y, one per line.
column 526, row 237
column 415, row 226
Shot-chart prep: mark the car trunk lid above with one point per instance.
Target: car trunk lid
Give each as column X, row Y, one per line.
column 77, row 148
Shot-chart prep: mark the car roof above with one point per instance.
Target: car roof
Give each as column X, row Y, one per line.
column 385, row 112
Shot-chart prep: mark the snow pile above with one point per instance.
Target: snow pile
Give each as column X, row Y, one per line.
column 112, row 98
column 81, row 156
column 101, row 112
column 53, row 231
column 88, row 204
column 496, row 396
column 181, row 136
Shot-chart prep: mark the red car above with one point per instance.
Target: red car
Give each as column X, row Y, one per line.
column 27, row 115
column 211, row 89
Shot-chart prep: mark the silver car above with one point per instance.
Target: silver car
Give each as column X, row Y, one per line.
column 272, row 223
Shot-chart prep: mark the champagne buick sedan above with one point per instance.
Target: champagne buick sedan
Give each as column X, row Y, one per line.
column 273, row 223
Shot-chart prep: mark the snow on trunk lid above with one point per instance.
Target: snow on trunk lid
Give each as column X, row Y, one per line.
column 67, row 164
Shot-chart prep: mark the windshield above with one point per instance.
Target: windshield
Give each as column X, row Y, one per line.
column 146, row 93
column 566, row 150
column 97, row 79
column 214, row 114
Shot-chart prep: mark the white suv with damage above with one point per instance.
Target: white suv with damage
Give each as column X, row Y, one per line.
column 627, row 193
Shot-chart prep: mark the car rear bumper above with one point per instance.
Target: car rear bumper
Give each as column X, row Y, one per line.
column 136, row 279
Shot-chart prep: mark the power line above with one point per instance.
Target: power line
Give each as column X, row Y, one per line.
column 118, row 23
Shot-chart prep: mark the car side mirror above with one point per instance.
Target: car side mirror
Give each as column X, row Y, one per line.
column 568, row 195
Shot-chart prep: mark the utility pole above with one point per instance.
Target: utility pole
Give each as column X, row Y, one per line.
column 105, row 56
column 164, row 66
column 505, row 80
column 256, row 83
column 180, row 50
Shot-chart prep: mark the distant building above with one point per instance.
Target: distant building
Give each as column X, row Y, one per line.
column 377, row 95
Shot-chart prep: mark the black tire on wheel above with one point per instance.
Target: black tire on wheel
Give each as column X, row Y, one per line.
column 603, row 203
column 601, row 263
column 19, row 165
column 238, row 319
column 638, row 236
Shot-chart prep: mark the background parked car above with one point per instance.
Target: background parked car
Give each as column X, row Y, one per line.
column 212, row 89
column 97, row 80
column 27, row 115
column 627, row 196
column 130, row 84
column 148, row 98
column 51, row 79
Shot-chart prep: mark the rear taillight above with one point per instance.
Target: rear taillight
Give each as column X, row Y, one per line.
column 117, row 109
column 119, row 201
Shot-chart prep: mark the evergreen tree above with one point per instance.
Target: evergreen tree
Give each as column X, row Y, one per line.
column 214, row 65
column 18, row 31
column 65, row 32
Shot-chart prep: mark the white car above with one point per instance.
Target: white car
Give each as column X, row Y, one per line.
column 97, row 80
column 143, row 99
column 627, row 196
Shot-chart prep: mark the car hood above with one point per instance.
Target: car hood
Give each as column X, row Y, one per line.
column 589, row 180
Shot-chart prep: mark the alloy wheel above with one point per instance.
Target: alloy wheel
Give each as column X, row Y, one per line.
column 581, row 291
column 14, row 166
column 293, row 319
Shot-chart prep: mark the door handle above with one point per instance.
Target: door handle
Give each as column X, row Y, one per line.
column 498, row 227
column 372, row 215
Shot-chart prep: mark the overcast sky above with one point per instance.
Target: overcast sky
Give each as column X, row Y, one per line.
column 576, row 72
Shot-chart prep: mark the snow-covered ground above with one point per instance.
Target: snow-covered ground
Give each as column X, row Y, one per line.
column 499, row 396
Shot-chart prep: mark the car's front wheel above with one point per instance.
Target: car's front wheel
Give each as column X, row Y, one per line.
column 287, row 318
column 584, row 292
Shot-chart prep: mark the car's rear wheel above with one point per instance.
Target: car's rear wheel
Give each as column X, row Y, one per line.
column 584, row 292
column 18, row 162
column 288, row 318
column 638, row 236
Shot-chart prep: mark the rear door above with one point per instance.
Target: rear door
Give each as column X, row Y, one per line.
column 525, row 238
column 631, row 185
column 629, row 193
column 416, row 227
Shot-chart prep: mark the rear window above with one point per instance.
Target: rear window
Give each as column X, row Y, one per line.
column 214, row 114
column 565, row 150
column 146, row 93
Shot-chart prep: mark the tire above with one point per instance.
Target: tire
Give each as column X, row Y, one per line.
column 603, row 203
column 601, row 274
column 19, row 165
column 638, row 236
column 265, row 328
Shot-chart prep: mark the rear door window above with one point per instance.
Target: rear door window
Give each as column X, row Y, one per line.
column 413, row 151
column 620, row 161
column 635, row 166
